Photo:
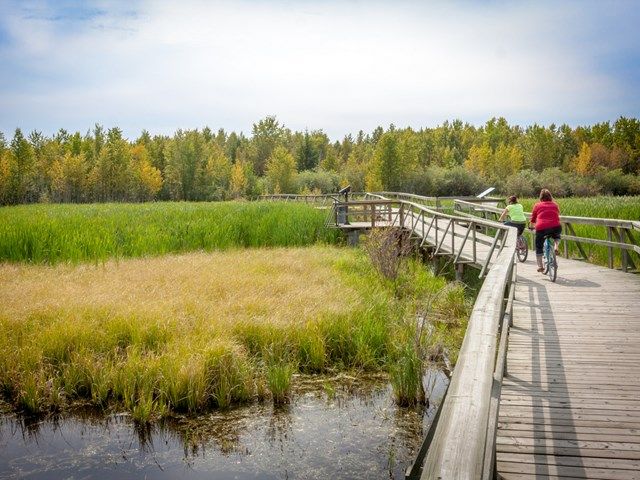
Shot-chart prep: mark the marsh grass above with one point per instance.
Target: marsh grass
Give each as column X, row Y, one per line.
column 49, row 234
column 188, row 333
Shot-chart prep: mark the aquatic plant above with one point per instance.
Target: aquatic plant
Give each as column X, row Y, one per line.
column 78, row 233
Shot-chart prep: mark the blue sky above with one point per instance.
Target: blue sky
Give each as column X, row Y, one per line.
column 336, row 66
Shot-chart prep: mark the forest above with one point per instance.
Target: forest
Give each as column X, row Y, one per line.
column 454, row 158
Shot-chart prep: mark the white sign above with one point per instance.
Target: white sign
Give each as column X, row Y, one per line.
column 486, row 192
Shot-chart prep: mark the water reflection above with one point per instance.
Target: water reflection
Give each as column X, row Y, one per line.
column 340, row 427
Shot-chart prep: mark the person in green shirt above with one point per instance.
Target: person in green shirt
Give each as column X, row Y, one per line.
column 515, row 212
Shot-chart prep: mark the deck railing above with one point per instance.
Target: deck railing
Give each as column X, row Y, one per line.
column 461, row 444
column 619, row 233
column 462, row 441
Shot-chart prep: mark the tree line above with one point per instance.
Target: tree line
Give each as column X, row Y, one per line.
column 454, row 158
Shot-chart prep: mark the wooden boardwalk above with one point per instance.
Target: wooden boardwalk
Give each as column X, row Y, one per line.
column 570, row 401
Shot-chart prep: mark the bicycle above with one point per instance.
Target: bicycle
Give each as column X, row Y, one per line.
column 550, row 264
column 522, row 249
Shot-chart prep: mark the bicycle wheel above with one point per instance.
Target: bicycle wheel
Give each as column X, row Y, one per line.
column 522, row 250
column 552, row 269
column 545, row 257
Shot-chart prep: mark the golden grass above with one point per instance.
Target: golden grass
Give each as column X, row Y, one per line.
column 201, row 330
column 211, row 290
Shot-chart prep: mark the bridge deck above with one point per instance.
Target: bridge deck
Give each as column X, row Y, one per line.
column 570, row 402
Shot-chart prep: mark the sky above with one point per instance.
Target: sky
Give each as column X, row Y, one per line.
column 339, row 66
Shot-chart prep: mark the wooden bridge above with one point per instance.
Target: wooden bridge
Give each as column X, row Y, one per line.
column 547, row 383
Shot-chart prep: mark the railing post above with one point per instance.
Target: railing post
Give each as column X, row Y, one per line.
column 473, row 225
column 565, row 245
column 610, row 249
column 453, row 237
column 402, row 215
column 373, row 215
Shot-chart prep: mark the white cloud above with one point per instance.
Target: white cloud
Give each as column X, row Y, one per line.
column 337, row 66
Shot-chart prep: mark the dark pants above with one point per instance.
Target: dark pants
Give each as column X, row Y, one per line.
column 553, row 232
column 519, row 225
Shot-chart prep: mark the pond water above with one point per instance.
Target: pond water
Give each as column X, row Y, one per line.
column 334, row 427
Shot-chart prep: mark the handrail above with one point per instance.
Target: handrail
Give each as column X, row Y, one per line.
column 463, row 432
column 617, row 230
column 605, row 222
column 437, row 201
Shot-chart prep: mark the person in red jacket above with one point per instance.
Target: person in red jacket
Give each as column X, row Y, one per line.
column 545, row 217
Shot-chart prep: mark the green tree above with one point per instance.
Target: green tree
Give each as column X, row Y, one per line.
column 145, row 179
column 267, row 135
column 109, row 176
column 281, row 171
column 22, row 170
column 186, row 155
column 69, row 178
column 218, row 174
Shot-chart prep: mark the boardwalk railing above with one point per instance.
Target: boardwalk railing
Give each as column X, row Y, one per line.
column 437, row 203
column 463, row 442
column 318, row 200
column 619, row 233
column 443, row 234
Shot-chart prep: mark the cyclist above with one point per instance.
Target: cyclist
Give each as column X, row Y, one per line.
column 515, row 212
column 545, row 217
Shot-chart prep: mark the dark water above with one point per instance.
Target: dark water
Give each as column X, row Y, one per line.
column 340, row 427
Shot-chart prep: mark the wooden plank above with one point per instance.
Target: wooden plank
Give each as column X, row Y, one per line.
column 527, row 429
column 563, row 471
column 568, row 461
column 574, row 435
column 574, row 451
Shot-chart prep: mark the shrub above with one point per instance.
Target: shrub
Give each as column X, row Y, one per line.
column 522, row 184
column 615, row 182
column 386, row 248
column 584, row 187
column 557, row 181
column 454, row 181
column 418, row 182
column 318, row 181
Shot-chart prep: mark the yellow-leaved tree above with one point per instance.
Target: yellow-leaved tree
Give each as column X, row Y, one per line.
column 239, row 180
column 281, row 171
column 146, row 180
column 582, row 163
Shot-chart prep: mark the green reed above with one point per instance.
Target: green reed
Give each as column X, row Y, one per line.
column 76, row 233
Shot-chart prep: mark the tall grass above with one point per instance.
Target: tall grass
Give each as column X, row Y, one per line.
column 192, row 332
column 627, row 208
column 78, row 233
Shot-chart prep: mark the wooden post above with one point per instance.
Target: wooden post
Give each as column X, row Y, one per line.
column 473, row 225
column 459, row 271
column 565, row 245
column 402, row 215
column 453, row 237
column 610, row 249
column 373, row 215
column 624, row 254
